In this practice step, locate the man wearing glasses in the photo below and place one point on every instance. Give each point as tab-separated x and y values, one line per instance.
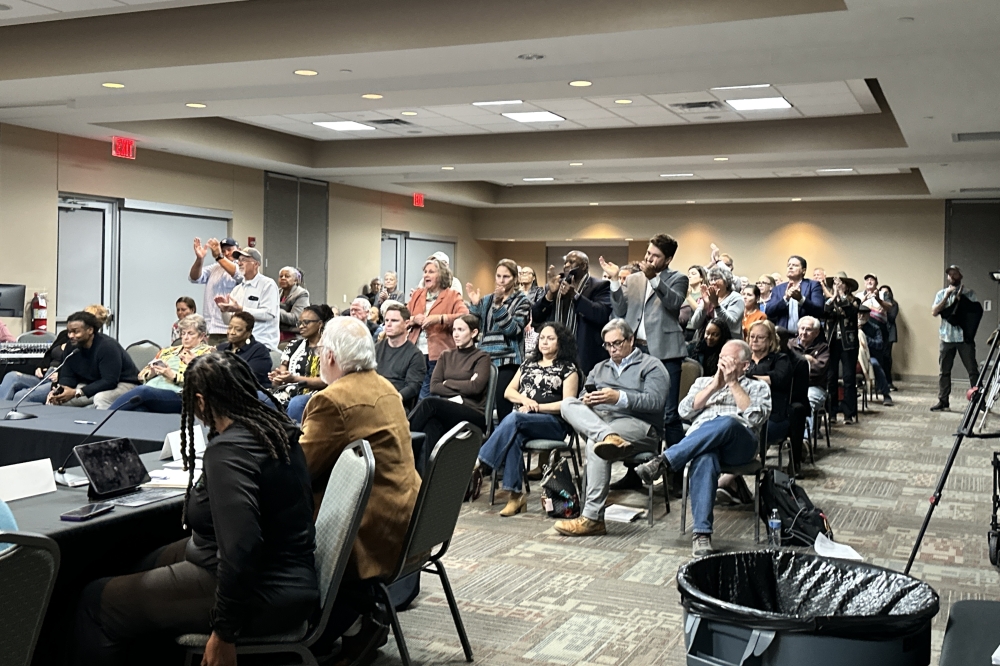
257	295
620	414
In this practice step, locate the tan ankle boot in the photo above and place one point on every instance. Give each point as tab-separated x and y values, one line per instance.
517	503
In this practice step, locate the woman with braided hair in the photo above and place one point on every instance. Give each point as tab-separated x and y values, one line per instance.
248	567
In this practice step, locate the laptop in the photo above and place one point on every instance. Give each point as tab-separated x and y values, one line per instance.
115	473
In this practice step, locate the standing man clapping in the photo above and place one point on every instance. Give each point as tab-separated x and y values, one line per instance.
219	279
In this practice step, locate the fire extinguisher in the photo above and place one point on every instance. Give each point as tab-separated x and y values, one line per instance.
39	312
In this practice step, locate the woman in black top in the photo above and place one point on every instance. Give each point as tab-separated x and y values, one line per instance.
240	341
774	368
248	568
707	350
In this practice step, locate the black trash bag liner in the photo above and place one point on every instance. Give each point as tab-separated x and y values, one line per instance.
797	592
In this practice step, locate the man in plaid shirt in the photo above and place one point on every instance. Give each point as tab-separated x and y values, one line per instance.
727	411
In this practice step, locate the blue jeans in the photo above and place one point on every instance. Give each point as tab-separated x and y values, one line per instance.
881	383
504	447
158	401
722	441
297	406
17	381
425	388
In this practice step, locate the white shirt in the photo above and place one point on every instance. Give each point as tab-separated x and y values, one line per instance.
259	298
217	283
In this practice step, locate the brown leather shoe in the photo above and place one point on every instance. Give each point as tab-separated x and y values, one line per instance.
535	474
581	527
613	448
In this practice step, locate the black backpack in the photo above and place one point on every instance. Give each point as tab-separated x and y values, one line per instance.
801	521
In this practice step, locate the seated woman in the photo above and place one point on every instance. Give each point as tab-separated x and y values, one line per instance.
297	377
707	350
248	568
163	377
16	385
751	308
458	390
293	300
184	306
240	341
538	388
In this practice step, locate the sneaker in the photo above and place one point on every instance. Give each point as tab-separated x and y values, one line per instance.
630	481
701	545
725	497
651	471
581	526
613	448
940	407
887	401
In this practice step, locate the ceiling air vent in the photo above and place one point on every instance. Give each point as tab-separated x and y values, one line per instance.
390	121
980	190
697	107
962	137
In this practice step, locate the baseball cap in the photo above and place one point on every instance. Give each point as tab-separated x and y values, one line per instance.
228	241
251	252
870	275
442	257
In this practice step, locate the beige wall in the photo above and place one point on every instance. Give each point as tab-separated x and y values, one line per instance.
36	166
900	241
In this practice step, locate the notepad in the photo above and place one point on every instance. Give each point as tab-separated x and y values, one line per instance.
617	513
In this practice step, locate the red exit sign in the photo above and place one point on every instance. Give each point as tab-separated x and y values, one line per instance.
418	199
122	147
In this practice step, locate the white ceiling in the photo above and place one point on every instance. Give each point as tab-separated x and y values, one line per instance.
33	11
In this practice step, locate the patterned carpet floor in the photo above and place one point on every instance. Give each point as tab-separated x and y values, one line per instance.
530	596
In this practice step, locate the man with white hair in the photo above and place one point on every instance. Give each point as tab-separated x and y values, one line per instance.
817	354
456	284
359	404
360	307
257	295
727	411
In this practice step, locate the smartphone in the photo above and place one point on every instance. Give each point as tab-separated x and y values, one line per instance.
590	388
87	512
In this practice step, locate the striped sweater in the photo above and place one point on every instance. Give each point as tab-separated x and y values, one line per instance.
502	329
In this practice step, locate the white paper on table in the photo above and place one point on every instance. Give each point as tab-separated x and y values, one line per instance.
179	464
26	479
995	660
172	444
825	547
617	513
170	478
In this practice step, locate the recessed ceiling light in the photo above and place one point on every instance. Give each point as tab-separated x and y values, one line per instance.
834	170
628	239
752	85
569	239
676	175
759	104
537	180
371	96
797	199
499	102
689	202
581	83
409	113
346	71
447	168
534	117
576	163
195	105
721	159
510	240
113	85
594	203
345	126
623	101
530	56
305	72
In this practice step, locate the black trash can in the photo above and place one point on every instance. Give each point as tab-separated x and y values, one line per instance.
785	608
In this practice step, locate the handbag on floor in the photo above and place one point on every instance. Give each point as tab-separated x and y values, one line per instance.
801	520
560	498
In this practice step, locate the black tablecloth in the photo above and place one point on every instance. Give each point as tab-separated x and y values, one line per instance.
103	546
54	434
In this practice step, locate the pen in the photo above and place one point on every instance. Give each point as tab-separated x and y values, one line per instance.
86	422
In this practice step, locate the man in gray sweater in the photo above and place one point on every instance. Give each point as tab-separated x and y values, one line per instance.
620	414
398	359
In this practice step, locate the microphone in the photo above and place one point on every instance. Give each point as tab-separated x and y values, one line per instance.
13	414
134	400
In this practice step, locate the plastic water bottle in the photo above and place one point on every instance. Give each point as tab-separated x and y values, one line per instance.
774	529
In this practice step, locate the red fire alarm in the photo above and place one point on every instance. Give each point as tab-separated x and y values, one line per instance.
123	147
418	199
251	241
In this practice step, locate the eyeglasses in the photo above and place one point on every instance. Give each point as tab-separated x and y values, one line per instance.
616	344
306	322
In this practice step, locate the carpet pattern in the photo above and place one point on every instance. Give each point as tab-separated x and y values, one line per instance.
530	596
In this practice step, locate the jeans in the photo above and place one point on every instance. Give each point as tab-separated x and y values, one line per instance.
881	383
504	447
817	397
158	401
723	440
946	359
425	388
297	406
434	417
14	382
847	361
594	428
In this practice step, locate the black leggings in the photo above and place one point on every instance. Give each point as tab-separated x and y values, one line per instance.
434	417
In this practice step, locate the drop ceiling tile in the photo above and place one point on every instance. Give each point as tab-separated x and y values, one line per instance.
360	115
564	105
683	98
800	90
745	93
771	114
719	175
432	121
465	112
408	131
594	123
309	117
713	117
873	171
593	113
509	129
831	110
20	9
398	113
460	129
77	5
650	115
609	102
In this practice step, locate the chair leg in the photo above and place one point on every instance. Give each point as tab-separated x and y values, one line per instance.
666	493
684	498
397	630
493	485
649	504
576	471
453	605
756	508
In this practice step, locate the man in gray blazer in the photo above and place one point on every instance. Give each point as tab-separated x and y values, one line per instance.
651	303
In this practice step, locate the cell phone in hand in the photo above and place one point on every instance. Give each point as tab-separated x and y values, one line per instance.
87	511
590	388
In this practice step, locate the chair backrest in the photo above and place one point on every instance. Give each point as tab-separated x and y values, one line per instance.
27	575
491	398
442	491
339	519
37	336
275	359
142	352
690	371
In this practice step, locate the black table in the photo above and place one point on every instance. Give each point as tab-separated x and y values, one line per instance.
54	434
103	546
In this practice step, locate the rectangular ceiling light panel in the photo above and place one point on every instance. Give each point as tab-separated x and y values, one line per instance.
534	117
345	126
502	102
759	104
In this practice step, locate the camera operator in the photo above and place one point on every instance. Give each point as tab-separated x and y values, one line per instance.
579	302
951	304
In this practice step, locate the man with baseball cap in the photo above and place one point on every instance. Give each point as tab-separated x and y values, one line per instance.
257	295
953	339
219	279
